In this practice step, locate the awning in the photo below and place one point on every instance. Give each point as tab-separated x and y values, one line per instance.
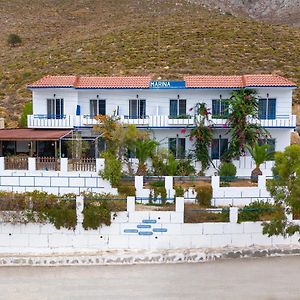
25	134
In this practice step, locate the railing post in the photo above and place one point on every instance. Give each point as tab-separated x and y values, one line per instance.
100	164
215	182
2	164
233	214
130	204
64	164
261	182
31	164
138	182
79	213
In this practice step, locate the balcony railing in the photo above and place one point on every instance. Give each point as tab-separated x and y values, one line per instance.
71	121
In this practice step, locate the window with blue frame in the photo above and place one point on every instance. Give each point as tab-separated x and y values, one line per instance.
219	108
177	107
55	108
267	109
137	108
218	147
97	107
177	147
270	142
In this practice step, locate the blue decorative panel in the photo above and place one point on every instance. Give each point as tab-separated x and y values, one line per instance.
143	226
149	221
160	229
130	231
145	233
167	84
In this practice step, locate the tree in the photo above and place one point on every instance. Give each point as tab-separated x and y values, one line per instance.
242	105
259	154
285	189
144	149
14	40
27	110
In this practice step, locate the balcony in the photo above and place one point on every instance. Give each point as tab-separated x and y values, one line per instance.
71	121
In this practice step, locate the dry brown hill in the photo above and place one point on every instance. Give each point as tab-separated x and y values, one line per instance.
159	37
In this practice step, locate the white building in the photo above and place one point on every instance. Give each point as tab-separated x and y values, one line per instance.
164	107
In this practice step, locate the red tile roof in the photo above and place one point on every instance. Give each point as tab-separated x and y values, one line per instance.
92	82
85	82
262	80
26	134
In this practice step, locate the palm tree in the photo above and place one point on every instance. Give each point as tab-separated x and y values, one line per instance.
259	154
144	149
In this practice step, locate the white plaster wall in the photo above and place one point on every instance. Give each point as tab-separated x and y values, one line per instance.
157	101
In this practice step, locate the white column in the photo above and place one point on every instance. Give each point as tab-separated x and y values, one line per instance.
100	164
179	204
261	182
64	164
79	214
233	214
130	204
31	164
2	167
138	182
215	182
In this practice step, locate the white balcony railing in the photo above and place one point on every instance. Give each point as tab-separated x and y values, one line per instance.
70	121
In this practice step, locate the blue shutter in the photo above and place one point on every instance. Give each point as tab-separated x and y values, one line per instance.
272	109
262	109
173	108
215	149
223	145
215	108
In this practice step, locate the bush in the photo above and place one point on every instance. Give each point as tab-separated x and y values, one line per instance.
227	171
204	195
126	190
13	40
259	211
95	214
179	191
184	168
27	110
112	170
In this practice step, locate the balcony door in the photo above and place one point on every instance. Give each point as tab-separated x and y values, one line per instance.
97	107
55	108
267	109
218	147
177	107
137	109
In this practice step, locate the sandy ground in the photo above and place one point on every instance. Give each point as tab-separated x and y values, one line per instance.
263	278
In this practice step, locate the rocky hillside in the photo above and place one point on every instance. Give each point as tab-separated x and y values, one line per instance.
273	11
165	38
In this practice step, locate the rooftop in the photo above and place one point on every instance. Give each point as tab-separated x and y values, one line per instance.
143	82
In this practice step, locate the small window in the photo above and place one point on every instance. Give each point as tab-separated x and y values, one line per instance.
137	109
55	108
177	147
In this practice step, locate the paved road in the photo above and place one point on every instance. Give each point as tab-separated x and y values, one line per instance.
266	278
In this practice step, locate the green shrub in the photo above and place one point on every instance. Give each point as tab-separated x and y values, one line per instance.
96	214
204	195
13	40
259	211
112	170
184	168
126	190
179	191
27	110
158	183
227	171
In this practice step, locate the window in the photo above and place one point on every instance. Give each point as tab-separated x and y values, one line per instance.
177	147
218	147
55	108
267	109
219	108
177	107
270	142
97	107
137	109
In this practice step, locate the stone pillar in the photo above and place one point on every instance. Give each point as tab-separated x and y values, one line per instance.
79	214
179	204
233	214
100	164
31	164
130	204
2	166
64	164
215	182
